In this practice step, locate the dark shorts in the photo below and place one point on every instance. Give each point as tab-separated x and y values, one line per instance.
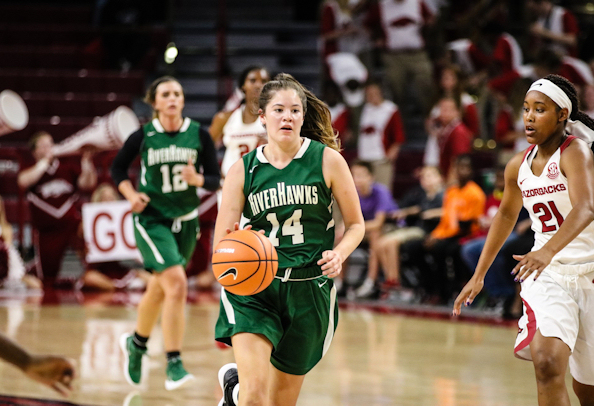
164	243
299	318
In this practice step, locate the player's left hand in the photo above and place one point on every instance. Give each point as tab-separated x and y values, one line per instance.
190	176
331	263
55	372
535	261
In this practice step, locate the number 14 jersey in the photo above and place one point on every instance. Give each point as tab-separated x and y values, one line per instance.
292	205
546	197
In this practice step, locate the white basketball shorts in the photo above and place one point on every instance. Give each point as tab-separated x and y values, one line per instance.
560	303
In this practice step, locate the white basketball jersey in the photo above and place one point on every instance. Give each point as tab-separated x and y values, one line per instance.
374	120
240	138
402	22
547	200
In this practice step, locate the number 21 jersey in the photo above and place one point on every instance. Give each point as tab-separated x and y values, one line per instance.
546	197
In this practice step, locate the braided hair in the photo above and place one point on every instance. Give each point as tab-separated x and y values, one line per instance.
571	92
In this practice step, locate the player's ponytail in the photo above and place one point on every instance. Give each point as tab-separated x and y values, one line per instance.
317	124
576	115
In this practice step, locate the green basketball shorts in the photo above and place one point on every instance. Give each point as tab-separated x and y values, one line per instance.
297	314
166	242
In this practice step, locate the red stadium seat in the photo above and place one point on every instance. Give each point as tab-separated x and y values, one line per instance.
9	168
131	83
10	79
11	205
103	104
57	58
60	128
83	81
408	161
37	104
16	57
69	105
42	81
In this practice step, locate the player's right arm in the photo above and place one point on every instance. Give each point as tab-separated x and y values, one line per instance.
119	171
232	202
55	372
218	122
502	226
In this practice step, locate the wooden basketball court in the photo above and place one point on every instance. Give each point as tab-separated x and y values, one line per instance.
375	359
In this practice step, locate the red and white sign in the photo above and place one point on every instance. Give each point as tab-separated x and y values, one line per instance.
108	232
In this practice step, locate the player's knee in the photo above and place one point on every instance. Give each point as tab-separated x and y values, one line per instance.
547	367
176	286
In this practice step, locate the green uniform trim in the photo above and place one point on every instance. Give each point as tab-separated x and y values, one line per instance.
162	158
298	312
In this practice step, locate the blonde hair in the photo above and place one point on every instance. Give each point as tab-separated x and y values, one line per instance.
3	221
32	143
317	124
96	196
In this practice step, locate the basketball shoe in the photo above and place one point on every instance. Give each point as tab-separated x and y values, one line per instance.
229	381
133	359
176	374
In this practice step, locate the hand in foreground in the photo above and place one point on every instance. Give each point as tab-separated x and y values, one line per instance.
535	261
467	295
52	371
139	202
331	263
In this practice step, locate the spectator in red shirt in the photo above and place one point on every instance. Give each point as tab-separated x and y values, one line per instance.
450	85
380	134
555	29
53	186
453	137
340	29
396	25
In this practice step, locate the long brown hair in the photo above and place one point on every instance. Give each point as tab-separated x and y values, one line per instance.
4	225
317	124
151	92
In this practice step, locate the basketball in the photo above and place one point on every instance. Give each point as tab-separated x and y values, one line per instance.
245	262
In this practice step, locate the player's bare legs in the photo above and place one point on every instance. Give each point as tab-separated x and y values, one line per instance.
174	283
149	308
252	355
585	393
284	388
550	356
389	256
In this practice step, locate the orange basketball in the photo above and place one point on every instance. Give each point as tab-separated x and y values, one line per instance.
245	262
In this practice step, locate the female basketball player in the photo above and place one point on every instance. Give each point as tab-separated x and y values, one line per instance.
172	148
285	189
554	179
240	129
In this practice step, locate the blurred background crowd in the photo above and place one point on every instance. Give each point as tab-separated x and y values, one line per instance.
425	95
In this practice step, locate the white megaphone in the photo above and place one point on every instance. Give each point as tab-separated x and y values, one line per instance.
105	133
14	115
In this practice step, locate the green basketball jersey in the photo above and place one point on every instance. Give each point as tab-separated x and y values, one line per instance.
293	205
162	158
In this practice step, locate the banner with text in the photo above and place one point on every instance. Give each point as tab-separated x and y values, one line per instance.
108	232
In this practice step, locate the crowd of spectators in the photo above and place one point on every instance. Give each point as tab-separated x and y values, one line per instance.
444	78
450	78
